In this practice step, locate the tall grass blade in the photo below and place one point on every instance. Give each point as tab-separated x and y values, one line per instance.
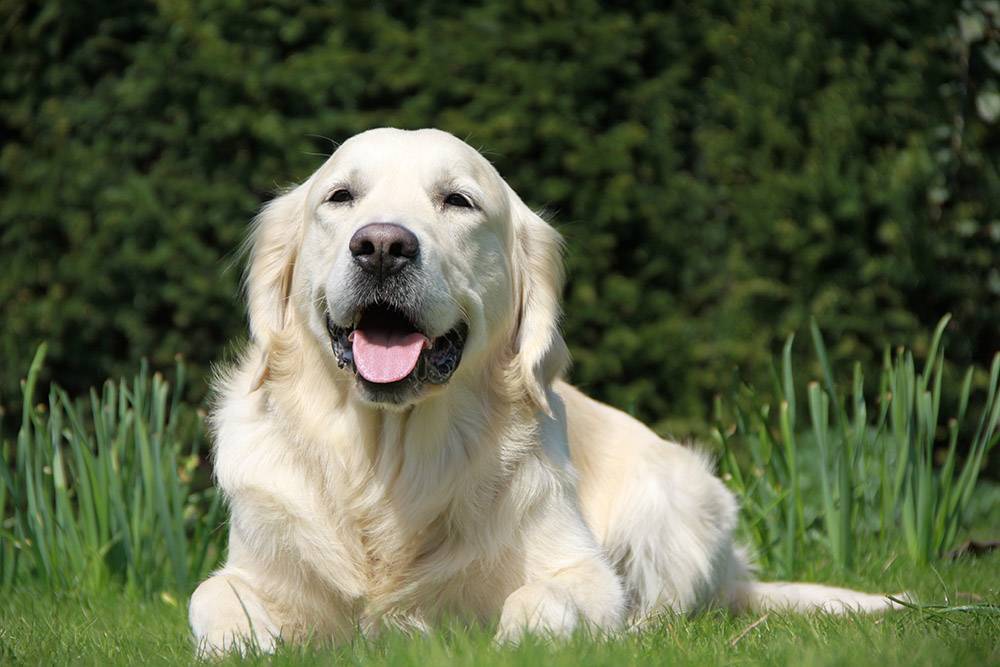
92	490
877	470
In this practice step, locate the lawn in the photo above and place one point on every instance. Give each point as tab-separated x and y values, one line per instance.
109	520
959	624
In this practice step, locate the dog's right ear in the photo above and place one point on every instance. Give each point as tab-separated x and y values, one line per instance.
274	241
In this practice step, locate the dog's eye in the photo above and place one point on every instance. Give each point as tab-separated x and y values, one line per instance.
340	196
455	199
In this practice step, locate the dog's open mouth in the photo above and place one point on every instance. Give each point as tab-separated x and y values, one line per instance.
385	347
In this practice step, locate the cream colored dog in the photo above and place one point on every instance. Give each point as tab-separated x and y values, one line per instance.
397	444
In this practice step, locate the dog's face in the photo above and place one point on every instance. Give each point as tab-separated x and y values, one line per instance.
407	257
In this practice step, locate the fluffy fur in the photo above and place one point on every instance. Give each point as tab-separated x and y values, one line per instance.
504	496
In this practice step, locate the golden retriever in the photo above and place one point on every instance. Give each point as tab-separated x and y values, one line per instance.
396	444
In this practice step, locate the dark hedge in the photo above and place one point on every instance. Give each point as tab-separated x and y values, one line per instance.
722	170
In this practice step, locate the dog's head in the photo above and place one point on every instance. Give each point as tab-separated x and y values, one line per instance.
409	260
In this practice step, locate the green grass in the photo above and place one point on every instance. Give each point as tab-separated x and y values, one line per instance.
106	488
109	520
39	626
874	464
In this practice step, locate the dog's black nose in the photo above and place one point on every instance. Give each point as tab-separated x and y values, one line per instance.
384	248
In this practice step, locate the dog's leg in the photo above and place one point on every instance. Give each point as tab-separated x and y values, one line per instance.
227	615
588	593
569	583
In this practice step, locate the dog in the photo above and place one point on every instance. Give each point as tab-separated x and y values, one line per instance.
397	443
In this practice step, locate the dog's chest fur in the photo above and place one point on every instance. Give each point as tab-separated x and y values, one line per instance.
425	512
402	521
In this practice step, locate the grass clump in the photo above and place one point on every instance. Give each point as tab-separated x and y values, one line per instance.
105	489
872	464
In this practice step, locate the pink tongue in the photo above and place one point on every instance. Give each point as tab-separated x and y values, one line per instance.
386	357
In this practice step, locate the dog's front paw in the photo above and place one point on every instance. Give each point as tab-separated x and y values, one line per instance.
227	617
538	608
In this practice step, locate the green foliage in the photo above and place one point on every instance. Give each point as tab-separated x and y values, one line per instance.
879	481
115	489
721	170
85	502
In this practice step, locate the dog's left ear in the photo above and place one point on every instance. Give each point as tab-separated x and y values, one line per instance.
540	353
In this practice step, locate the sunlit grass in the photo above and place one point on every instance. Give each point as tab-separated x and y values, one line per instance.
875	478
959	625
104	490
109	522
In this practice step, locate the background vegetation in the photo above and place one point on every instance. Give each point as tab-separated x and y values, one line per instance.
722	170
105	532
